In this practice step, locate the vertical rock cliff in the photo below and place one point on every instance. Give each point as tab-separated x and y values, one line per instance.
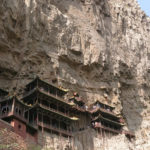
100	48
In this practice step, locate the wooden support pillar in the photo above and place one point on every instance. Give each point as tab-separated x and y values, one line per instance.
56	92
49	105
59	124
28	116
48	90
37	99
13	105
109	132
42	123
57	106
37	83
68	112
60	139
72	142
49	120
33	118
65	109
37	120
101	133
23	112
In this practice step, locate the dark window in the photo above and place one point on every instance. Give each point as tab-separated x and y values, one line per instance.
19	112
19	126
16	110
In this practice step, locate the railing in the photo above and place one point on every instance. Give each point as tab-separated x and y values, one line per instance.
48	126
45	92
107	128
8	114
53	96
55	111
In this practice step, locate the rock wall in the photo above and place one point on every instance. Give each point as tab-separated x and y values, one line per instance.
100	48
49	140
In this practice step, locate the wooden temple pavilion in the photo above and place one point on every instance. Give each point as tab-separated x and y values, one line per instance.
43	108
104	119
49	109
13	111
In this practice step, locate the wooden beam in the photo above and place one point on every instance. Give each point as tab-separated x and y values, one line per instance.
13	105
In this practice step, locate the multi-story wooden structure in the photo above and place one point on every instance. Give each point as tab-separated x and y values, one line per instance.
12	111
50	111
104	120
43	108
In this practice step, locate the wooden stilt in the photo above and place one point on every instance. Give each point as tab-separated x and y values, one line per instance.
37	84
33	118
37	118
42	123
73	141
101	137
109	133
60	141
104	139
101	133
57	106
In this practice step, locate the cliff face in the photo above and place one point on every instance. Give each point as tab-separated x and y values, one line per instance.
100	48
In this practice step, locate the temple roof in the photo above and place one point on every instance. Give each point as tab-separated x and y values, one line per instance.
16	99
60	89
44	94
103	104
107	120
97	110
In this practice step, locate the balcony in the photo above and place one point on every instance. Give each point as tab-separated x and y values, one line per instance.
41	90
56	111
10	114
100	117
107	128
53	96
48	126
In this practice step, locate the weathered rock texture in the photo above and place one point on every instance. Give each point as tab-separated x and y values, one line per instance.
10	140
100	48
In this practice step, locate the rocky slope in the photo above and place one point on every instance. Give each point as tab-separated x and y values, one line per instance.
100	48
10	140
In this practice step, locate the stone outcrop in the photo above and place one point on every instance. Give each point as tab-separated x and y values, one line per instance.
99	48
9	139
